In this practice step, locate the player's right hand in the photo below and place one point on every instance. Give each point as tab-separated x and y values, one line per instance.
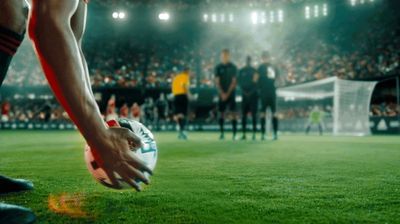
115	152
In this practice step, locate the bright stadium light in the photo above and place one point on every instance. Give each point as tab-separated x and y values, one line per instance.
254	18
280	16
353	2
205	17
325	10
118	15
316	11
214	18
164	16
272	16
263	17
115	15
362	1
307	12
231	17
121	15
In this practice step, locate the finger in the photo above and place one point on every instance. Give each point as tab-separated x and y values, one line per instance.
113	179
131	172
133	139
139	164
131	182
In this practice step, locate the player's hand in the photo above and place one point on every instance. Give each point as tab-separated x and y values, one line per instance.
224	96
114	150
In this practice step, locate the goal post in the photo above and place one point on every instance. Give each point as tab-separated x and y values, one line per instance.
345	103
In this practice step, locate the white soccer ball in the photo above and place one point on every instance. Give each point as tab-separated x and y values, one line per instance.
147	153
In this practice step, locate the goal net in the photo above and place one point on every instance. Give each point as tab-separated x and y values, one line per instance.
343	105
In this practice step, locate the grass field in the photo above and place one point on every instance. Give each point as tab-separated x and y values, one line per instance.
298	179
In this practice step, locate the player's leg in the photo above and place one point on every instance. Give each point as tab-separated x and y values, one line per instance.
253	110
182	115
308	128
245	111
221	118
234	115
12	29
263	115
320	128
275	121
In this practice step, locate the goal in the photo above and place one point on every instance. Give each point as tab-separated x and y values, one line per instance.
344	103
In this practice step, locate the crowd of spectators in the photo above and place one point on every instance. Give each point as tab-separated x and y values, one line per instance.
127	64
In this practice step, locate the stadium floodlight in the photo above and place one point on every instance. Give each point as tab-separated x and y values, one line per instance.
214	18
316	11
121	15
115	15
263	17
362	1
205	17
231	17
280	16
353	2
307	12
325	10
164	16
272	16
254	18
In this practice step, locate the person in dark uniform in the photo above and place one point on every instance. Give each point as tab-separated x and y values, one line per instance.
225	81
267	92
247	82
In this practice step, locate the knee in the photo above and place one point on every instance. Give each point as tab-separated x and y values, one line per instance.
14	15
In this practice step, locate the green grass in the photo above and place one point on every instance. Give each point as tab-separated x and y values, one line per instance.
298	179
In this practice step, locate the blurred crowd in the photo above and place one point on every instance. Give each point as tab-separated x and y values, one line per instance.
184	4
152	61
134	64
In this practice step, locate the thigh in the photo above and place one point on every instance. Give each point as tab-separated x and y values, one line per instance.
245	105
264	105
13	14
232	104
222	105
78	21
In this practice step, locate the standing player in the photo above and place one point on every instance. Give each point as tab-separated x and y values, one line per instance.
225	81
315	118
180	90
267	91
247	82
56	28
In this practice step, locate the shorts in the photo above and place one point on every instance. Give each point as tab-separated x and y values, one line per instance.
181	104
249	104
269	102
229	104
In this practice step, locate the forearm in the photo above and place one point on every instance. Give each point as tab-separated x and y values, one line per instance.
66	76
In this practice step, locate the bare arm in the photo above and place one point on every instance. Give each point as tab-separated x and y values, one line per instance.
62	63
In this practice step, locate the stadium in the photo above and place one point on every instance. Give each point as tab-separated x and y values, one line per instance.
255	111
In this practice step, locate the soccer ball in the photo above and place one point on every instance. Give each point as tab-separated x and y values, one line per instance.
148	152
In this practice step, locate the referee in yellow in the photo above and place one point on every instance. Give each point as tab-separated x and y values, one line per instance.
180	90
